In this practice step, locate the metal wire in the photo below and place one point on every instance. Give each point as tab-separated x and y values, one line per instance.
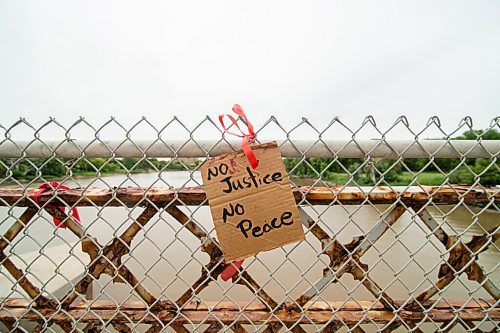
400	234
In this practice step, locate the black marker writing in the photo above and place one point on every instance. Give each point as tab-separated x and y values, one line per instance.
246	226
216	170
238	209
251	179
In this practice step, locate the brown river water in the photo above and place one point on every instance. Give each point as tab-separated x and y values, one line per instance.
167	258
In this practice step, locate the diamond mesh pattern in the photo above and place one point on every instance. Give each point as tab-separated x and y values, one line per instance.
401	235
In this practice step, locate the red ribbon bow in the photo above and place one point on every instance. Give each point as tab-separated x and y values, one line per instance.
247	138
45	187
233	267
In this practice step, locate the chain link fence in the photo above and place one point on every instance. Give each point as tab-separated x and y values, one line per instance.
402	228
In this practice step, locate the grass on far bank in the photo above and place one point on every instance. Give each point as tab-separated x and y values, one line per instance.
405	178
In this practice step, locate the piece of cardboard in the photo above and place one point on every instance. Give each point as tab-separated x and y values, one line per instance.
253	209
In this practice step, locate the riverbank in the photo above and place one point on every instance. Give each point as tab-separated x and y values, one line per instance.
81	177
424	178
405	178
63	168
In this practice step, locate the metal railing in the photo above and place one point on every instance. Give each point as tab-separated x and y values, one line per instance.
385	249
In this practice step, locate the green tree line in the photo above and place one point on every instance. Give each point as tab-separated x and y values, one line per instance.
410	170
339	171
27	169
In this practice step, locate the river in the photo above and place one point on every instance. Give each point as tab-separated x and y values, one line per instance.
166	257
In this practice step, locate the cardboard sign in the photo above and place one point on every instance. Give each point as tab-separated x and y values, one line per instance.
253	209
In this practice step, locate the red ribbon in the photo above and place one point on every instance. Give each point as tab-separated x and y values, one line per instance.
231	269
45	187
247	138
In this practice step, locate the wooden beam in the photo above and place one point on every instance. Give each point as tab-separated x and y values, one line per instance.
351	313
134	196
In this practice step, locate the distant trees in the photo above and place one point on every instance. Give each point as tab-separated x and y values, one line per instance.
343	170
59	167
481	168
491	134
478	168
390	171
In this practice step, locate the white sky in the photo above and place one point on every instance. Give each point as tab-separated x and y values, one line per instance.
289	59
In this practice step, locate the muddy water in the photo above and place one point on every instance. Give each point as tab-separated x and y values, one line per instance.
167	258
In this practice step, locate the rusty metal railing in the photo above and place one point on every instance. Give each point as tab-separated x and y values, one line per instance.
145	256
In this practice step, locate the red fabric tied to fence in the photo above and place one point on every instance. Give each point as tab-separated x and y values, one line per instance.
247	139
46	187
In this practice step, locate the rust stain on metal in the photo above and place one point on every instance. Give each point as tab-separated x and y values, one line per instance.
134	196
460	257
359	271
433	226
124	314
186	222
343	258
251	284
113	254
216	265
16	228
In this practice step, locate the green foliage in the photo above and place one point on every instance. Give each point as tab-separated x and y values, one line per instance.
55	168
339	171
315	167
488	172
491	134
415	170
428	178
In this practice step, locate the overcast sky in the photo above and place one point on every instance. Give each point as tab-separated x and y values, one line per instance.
316	59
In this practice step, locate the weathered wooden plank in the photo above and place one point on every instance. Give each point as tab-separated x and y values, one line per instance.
132	196
258	306
341	317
